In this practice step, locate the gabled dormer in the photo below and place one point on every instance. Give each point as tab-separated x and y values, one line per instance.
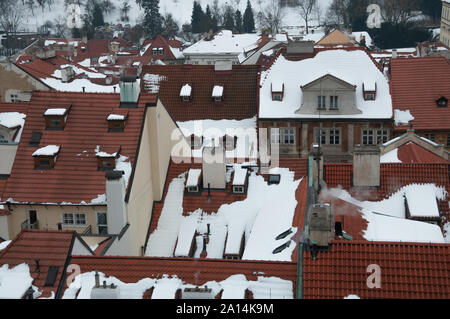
56	118
45	157
442	101
277	89
117	121
186	93
217	93
369	91
193	180
106	157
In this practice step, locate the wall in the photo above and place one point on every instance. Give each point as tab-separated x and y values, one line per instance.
50	216
120	247
14	78
445	23
204	59
7	155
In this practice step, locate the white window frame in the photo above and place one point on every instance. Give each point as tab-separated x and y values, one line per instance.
333	135
369	97
320	136
75	219
289	133
334	102
321	102
369	134
238	189
102	225
382	136
275	136
186	98
193	189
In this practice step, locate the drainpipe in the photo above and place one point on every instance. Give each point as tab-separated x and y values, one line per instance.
299	286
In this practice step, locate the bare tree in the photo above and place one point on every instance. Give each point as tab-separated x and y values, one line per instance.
318	13
11	16
60	26
272	16
398	11
305	8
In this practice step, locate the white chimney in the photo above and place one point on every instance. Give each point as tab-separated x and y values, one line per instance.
223	66
394	54
129	90
214	167
104	291
197	293
115	201
366	166
67	74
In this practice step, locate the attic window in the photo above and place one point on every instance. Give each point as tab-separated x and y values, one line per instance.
193	181
106	161
160	51
186	93
56	118
277	91
240	180
217	93
274	179
116	122
370	91
45	157
442	102
155	51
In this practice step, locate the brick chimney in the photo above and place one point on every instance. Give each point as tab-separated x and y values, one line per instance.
214	167
366	166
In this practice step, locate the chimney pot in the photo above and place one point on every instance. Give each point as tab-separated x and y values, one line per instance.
97	279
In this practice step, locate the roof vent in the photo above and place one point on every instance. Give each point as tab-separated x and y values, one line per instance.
198	293
35	138
281	248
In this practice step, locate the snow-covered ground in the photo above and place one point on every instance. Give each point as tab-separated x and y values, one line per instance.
181	10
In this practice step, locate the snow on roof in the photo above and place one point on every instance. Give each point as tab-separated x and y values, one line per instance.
13	119
343	64
240	175
55	111
193	177
370	86
78	71
177	53
151	82
387	218
4	244
14	282
49	150
390	157
115	117
186	90
99	153
166	288
422	201
352	297
277	86
402	117
268	52
244	130
222	43
281	37
253	217
357	37
77	86
217	91
186	234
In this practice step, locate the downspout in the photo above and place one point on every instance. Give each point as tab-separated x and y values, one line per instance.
299	289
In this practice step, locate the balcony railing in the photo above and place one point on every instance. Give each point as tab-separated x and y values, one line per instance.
27	225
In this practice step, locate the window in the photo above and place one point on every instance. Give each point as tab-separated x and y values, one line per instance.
75	219
321	136
430	136
382	136
367	137
102	223
238	189
161	51
369	97
44	164
335	137
217	98
155	51
185	98
277	97
334	103
442	102
275	136
321	100
289	136
274	179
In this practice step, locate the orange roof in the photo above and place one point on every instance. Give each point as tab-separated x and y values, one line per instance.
53	248
413	153
75	177
412	271
335	37
416	85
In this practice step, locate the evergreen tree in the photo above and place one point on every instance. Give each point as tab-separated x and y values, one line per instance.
170	27
238	21
97	16
208	19
152	23
198	18
228	19
248	21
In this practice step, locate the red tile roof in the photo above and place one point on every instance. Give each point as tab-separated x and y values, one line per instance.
413	153
191	271
75	177
416	85
193	203
53	248
240	91
413	271
161	42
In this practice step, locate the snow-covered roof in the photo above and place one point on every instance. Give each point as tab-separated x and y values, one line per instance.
277	86
49	150
193	177
422	201
11	120
217	91
343	64
240	175
56	111
222	43
99	153
185	236
402	117
115	117
77	86
186	90
14	281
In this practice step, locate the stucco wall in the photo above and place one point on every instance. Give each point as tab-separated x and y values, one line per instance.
7	155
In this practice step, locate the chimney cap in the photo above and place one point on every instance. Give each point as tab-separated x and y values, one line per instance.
113	175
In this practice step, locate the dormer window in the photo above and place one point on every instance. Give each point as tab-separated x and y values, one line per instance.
186	93
321	102
334	102
196	142
442	102
229	142
193	181
369	91
217	93
106	160
56	118
45	157
116	121
160	51
155	51
240	180
277	91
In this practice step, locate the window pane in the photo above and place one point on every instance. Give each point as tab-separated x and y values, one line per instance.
80	219
101	219
68	219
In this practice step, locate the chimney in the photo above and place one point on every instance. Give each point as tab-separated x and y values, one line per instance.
223	66
316	156
129	91
366	166
321	225
115	201
108	80
97	280
67	74
214	167
394	54
105	291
